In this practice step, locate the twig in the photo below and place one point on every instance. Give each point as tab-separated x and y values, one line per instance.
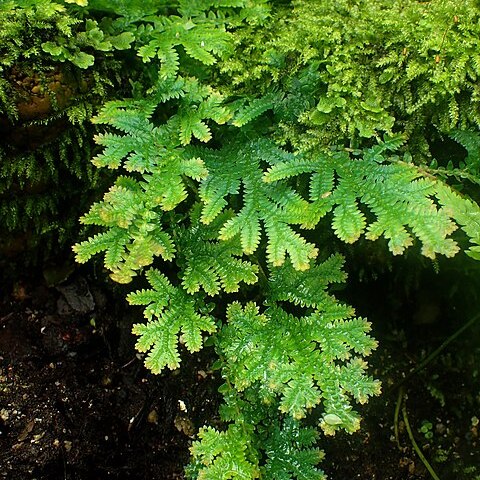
6	318
414	444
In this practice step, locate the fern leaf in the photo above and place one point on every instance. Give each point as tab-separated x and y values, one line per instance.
213	265
192	328
290	453
116	149
160	343
277	206
284	170
299	395
194	168
470	140
170	311
215	187
282	240
348	222
96	244
196	50
223	456
285	281
254	109
192	126
300	359
465	212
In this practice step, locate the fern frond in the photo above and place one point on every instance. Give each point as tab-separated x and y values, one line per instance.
306	288
290	452
296	358
465	212
277	207
224	455
255	108
170	312
211	265
470	140
348	221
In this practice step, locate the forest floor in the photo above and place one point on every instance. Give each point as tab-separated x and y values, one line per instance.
76	402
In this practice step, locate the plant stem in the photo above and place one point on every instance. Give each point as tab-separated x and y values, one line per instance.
397	414
414	444
436	352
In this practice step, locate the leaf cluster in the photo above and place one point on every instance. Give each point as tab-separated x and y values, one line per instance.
46	102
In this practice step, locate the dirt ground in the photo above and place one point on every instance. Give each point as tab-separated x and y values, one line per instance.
76	402
75	399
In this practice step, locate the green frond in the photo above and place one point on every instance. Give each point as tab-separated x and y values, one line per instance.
195	48
299	395
306	288
129	116
211	265
470	140
291	454
282	239
465	212
277	207
112	240
296	166
116	149
247	225
223	455
191	125
170	312
194	168
160	342
134	236
255	108
299	110
399	195
300	360
348	221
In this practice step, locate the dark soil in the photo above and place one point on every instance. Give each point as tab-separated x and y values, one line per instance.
76	402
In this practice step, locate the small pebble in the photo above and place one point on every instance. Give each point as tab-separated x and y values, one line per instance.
153	417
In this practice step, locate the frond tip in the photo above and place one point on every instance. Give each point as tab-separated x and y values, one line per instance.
170	312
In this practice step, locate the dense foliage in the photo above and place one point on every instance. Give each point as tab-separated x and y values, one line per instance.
55	69
252	128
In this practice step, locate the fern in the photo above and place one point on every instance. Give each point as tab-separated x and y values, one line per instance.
470	140
276	208
273	356
223	455
398	194
249	131
211	265
254	109
170	311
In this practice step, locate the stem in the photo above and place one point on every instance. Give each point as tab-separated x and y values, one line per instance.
397	414
262	276
437	351
415	446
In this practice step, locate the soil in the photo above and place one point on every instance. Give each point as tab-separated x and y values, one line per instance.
77	403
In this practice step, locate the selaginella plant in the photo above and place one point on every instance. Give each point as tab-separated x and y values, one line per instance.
255	128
